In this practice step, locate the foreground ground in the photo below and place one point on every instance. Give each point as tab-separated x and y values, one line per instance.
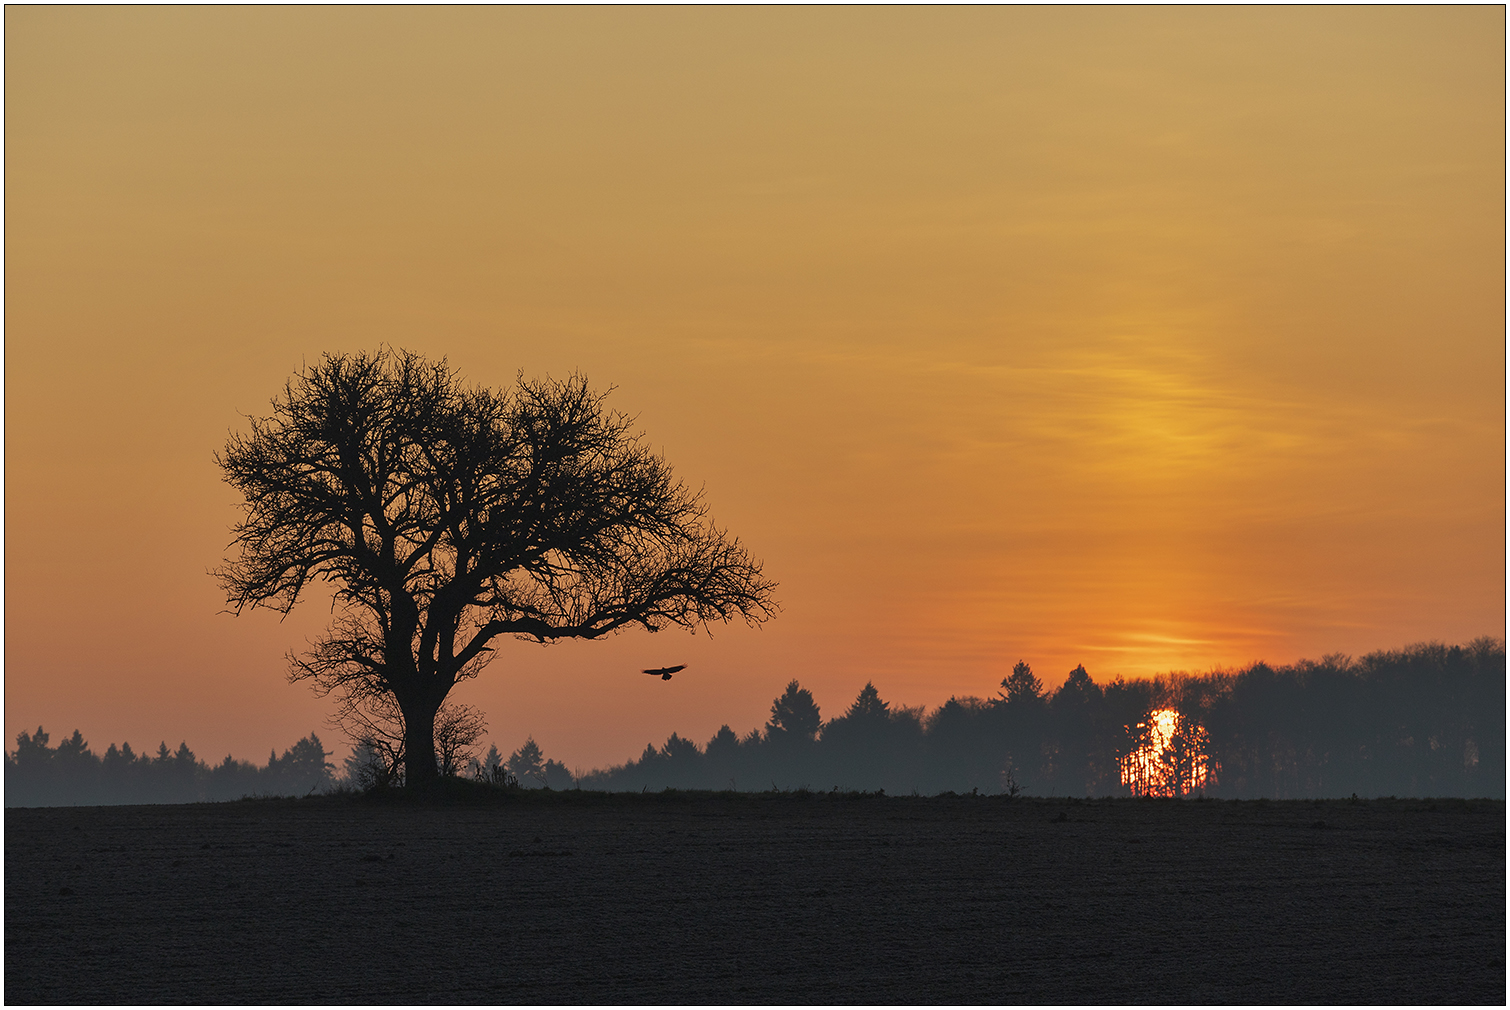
719	898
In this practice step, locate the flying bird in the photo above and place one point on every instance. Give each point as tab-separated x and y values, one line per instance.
665	672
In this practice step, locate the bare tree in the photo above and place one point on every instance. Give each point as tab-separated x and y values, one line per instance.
449	515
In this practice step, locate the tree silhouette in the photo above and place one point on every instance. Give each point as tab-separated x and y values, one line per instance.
1075	712
794	715
1019	717
1021	687
868	705
457	730
486	767
377	728
366	767
302	769
448	515
528	762
872	742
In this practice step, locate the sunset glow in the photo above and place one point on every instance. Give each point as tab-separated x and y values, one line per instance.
1172	758
1142	338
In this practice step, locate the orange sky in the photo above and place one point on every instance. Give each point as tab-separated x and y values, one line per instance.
1145	338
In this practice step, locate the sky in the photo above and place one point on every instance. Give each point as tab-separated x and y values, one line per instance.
1147	339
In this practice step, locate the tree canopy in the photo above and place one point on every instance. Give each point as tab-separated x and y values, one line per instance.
447	515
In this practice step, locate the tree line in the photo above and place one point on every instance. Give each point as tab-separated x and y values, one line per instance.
1426	720
72	774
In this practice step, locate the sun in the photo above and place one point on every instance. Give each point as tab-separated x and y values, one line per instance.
1171	756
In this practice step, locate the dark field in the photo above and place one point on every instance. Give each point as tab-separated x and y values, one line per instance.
779	898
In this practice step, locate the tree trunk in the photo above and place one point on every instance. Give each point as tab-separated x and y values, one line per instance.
419	745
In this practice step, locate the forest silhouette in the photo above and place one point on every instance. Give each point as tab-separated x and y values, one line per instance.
1426	720
71	773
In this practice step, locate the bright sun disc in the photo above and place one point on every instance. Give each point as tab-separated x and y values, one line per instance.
1172	756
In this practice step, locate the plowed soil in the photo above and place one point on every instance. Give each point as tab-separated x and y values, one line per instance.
588	898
